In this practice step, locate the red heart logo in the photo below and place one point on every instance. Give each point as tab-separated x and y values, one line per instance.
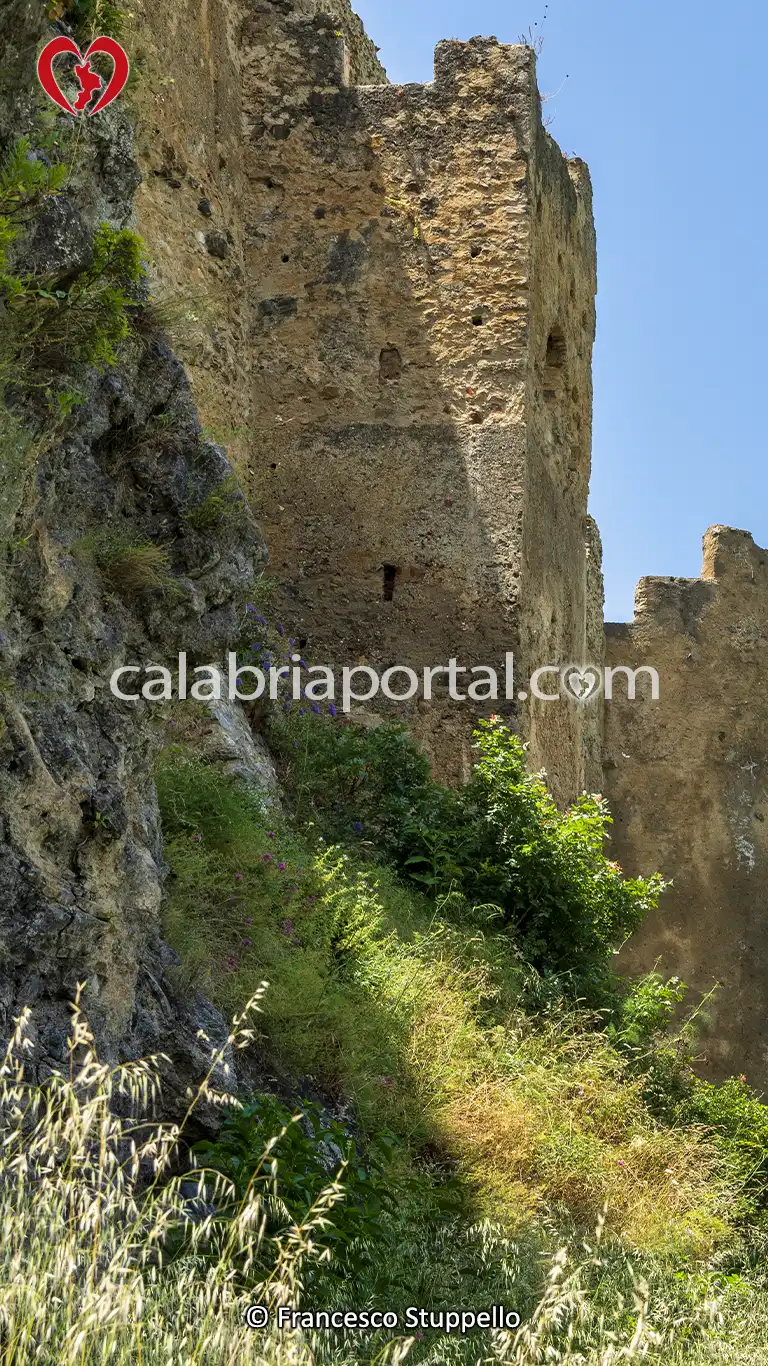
87	78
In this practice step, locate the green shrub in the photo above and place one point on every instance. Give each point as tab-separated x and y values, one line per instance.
501	841
90	18
737	1121
288	1158
363	784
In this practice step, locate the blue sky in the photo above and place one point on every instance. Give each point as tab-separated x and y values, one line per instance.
667	104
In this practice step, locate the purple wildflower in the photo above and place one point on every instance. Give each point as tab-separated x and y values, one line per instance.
238	877
287	927
315	709
332	709
357	826
266	858
271	834
280	628
282	866
196	839
247	942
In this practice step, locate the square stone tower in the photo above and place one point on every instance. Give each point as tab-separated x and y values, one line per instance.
421	273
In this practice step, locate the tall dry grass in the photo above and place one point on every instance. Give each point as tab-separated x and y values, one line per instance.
111	1251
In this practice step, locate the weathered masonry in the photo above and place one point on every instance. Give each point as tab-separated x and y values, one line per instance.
398	283
421	270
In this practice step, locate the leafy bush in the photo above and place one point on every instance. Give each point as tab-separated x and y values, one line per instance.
570	906
367	785
501	841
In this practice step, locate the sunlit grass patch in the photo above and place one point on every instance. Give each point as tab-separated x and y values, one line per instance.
420	1023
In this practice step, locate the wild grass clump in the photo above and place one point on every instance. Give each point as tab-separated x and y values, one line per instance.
128	565
117	1248
223	505
91	1205
56	325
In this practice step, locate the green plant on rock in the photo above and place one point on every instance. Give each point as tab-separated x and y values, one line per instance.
129	566
89	18
222	505
25	180
91	319
50	324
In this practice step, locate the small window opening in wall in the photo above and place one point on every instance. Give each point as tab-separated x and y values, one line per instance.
390	574
475	250
555	363
556	350
477	319
286	258
390	363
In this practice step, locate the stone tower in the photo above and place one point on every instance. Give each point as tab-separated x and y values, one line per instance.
422	280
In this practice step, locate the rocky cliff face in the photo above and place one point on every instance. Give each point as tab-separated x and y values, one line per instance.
103	562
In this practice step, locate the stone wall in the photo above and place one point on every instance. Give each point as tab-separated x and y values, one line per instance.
420	266
687	778
192	134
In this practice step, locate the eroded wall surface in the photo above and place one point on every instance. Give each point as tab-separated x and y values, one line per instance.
687	777
388	311
420	266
